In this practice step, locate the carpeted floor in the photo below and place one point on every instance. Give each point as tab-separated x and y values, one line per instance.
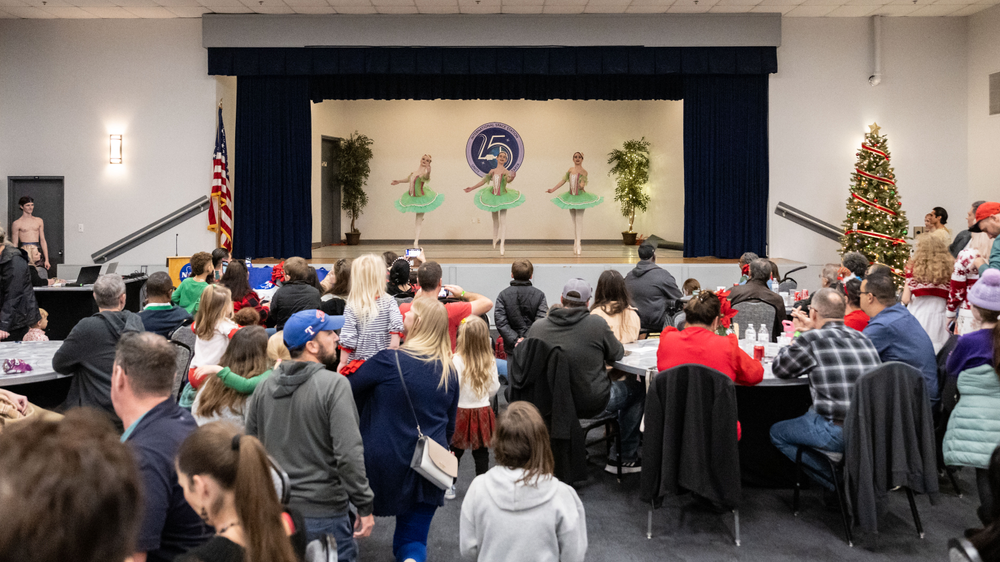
616	526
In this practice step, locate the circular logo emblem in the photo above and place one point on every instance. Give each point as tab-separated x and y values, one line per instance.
488	141
185	272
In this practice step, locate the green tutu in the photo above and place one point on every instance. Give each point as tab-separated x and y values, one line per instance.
581	200
509	199
421	203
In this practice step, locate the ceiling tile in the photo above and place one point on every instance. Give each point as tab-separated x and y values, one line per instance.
5	15
188	11
809	11
522	2
969	10
151	12
851	11
823	3
437	9
577	9
605	8
772	9
935	10
954	2
781	2
867	2
315	10
567	2
137	3
483	8
717	9
379	3
274	9
70	12
28	12
355	9
221	3
48	3
397	9
177	3
12	3
738	2
521	8
646	9
688	8
239	9
296	3
892	10
110	12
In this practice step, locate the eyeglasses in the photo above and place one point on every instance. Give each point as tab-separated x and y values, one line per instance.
864	293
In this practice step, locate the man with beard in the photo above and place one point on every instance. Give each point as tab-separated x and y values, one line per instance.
305	416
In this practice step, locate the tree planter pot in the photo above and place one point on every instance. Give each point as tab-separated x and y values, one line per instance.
352	238
628	238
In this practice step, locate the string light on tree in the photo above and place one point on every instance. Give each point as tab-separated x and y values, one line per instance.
875	224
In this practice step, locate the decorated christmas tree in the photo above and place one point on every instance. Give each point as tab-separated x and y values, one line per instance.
875	225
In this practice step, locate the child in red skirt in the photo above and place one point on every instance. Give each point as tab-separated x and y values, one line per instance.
478	383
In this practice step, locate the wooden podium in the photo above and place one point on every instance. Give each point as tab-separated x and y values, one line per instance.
174	266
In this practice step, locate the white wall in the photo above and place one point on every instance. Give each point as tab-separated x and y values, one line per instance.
552	131
984	129
65	85
821	105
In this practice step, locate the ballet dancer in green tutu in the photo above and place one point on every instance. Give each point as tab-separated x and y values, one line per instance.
496	198
577	199
419	198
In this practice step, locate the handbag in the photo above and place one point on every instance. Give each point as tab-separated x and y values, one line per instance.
430	460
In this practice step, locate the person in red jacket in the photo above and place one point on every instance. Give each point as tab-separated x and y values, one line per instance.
699	344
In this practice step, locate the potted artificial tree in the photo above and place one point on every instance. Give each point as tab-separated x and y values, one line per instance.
353	162
630	166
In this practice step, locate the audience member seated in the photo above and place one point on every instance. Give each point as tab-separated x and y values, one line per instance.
652	288
398	285
756	290
295	295
690	286
518	510
925	292
161	316
188	295
964	275
389	257
854	264
246	356
221	258
775	276
987	540
855	317
896	334
306	418
613	304
226	477
70	491
745	260
37	332
834	357
334	300
156	426
829	276
39	275
973	432
518	306
18	307
237	280
590	345
469	303
88	352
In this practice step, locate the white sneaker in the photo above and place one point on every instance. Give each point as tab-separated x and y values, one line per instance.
449	494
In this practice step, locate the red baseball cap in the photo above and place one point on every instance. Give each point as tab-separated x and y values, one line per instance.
985	211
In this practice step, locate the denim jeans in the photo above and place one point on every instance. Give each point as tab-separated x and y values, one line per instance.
628	398
340	527
410	538
814	431
502	369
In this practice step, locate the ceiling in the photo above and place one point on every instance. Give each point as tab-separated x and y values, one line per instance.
76	9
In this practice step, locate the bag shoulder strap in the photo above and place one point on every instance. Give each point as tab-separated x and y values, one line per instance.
406	392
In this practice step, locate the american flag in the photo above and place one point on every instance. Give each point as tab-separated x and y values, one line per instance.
220	189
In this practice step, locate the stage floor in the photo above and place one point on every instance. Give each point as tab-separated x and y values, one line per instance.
482	252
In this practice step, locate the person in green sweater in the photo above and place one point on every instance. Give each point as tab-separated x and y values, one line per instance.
188	295
276	353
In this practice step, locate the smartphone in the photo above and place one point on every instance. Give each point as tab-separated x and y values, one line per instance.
412	252
443	293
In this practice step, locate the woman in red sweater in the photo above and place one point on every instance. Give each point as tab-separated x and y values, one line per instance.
237	280
698	343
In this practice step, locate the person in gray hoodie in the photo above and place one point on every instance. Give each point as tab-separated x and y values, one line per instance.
653	290
88	352
517	510
306	418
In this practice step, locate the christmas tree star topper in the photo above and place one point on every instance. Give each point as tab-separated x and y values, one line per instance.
874	128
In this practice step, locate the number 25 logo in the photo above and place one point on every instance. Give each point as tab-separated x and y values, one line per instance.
488	145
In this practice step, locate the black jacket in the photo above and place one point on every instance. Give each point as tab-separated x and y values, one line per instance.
756	290
653	290
889	436
88	353
516	309
690	441
164	321
18	307
539	373
960	242
292	297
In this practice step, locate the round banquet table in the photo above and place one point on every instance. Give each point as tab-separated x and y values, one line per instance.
760	407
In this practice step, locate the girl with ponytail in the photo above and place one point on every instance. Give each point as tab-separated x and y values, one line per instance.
226	477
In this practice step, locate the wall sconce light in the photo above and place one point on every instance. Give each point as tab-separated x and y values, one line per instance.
116	149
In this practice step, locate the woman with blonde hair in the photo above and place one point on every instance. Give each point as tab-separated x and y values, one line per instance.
372	321
925	293
245	358
214	326
226	478
388	427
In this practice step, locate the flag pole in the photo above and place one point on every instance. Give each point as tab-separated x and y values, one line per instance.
218	206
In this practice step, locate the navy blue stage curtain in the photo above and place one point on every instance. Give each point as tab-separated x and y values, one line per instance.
725	165
273	185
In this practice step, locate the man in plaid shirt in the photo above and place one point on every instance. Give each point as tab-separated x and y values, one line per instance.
834	357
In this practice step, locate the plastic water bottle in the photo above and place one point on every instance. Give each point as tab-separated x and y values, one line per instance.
750	335
762	335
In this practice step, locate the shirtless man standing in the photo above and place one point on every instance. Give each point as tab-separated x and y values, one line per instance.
30	230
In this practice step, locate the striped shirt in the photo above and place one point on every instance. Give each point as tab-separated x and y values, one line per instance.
364	341
834	357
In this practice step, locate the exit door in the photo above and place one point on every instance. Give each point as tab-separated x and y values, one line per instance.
47	191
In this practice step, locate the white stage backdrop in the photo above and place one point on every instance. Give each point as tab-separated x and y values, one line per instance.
551	131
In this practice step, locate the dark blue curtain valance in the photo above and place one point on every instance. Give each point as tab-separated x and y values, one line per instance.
528	61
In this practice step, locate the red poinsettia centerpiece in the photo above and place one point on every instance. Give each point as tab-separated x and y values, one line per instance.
726	311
